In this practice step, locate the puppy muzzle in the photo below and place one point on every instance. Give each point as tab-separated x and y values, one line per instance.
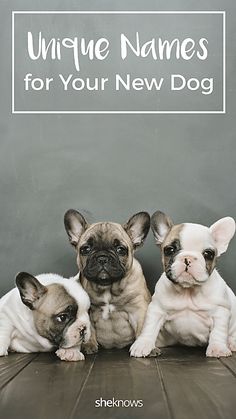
76	334
189	269
103	268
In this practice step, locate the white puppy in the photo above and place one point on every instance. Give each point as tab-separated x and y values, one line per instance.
45	313
192	305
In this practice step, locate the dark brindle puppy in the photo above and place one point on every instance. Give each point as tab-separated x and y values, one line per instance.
112	277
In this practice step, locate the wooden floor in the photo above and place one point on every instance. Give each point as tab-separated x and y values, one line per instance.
180	384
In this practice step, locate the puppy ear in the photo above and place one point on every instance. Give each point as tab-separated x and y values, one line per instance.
222	232
31	290
137	228
161	224
75	225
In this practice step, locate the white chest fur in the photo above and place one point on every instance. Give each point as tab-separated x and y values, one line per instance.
189	327
107	308
189	312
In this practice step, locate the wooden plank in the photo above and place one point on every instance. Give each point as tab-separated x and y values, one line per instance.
183	353
230	363
46	388
180	384
116	376
11	365
202	387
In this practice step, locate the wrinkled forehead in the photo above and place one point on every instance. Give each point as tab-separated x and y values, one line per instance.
195	237
106	234
56	299
191	237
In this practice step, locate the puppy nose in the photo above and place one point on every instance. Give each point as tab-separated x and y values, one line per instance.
188	259
187	262
82	331
102	259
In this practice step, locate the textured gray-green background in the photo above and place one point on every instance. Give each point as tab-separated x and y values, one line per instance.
109	166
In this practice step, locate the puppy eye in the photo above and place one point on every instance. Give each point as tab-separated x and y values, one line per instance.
169	250
85	250
121	250
61	318
209	254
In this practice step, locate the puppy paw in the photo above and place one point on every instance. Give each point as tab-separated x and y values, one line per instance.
232	344
142	347
90	348
70	354
218	350
3	351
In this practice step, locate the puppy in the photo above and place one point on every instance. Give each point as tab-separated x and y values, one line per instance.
112	277
45	313
192	305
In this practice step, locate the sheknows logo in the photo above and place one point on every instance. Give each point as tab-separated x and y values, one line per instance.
118	403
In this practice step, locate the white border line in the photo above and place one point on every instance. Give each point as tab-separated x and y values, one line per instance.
223	13
224	62
13	64
116	12
119	112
